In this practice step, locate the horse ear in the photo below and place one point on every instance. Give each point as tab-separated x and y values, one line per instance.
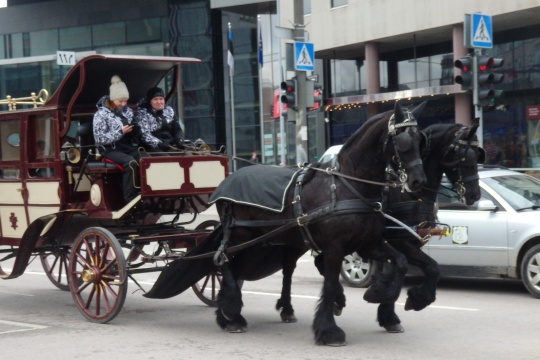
398	113
475	125
418	110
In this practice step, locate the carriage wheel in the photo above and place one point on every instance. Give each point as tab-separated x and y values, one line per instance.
97	275
55	265
4	250
207	288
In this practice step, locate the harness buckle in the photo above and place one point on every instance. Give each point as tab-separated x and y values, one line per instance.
302	220
296	199
377	206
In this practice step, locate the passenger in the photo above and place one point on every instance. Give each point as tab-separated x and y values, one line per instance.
161	130
118	136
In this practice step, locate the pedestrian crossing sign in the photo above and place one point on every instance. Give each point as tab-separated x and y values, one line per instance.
481	31
304	56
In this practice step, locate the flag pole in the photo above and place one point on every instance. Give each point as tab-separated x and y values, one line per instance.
230	61
261	100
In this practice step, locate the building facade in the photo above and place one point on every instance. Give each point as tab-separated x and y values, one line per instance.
368	54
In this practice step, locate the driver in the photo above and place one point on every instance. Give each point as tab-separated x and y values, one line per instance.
160	128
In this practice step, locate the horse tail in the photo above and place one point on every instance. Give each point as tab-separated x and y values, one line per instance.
181	274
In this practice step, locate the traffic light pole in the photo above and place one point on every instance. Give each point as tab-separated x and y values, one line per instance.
478	113
301	120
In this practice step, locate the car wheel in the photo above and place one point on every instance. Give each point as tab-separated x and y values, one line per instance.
356	271
530	271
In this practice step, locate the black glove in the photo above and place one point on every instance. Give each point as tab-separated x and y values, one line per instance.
163	147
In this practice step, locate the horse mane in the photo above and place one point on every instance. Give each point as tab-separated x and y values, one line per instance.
365	131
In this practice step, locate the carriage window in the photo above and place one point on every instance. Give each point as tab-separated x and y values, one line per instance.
9	149
43	146
40	145
9	140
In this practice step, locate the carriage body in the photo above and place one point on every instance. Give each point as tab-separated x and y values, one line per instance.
56	190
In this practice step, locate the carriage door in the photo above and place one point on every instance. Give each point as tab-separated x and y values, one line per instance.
42	182
12	211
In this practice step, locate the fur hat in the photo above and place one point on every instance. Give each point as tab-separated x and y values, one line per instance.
154	92
118	89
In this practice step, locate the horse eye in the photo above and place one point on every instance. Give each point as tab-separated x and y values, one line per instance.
403	142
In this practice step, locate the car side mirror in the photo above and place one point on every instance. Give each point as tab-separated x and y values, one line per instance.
487	205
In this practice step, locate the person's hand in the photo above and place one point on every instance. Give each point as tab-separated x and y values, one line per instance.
127	129
163	147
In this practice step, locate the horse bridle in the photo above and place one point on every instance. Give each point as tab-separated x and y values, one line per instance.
461	147
399	146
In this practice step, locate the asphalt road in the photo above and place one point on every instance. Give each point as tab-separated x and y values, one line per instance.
471	319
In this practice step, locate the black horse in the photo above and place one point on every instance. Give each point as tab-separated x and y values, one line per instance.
451	149
335	212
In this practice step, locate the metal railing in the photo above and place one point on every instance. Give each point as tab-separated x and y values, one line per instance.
33	99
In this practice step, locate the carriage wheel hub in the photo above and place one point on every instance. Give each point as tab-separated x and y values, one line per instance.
89	275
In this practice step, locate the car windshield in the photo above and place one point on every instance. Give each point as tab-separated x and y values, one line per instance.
520	191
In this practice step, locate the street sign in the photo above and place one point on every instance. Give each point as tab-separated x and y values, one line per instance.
304	56
65	58
481	31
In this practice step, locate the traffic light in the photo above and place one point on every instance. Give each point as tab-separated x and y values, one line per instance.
465	64
289	98
487	79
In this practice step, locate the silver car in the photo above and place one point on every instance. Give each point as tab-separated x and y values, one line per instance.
498	236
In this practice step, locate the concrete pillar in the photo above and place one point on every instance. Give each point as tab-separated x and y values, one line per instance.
373	83
463	102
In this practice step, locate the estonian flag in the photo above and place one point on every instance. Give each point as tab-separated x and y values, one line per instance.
230	52
260	49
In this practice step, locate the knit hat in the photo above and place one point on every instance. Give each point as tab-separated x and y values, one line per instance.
118	89
154	92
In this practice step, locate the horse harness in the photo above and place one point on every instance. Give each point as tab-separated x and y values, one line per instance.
333	208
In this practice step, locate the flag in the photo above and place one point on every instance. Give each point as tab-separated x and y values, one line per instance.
260	49
230	52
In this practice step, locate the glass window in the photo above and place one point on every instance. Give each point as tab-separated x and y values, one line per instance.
40	145
144	30
2	47
43	42
17	46
336	3
109	34
9	140
73	38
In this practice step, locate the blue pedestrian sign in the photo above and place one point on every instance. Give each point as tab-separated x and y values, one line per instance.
481	31
304	56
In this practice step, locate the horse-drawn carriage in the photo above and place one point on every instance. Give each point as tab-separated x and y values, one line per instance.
61	202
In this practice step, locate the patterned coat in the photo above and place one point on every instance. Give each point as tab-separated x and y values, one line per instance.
107	127
160	129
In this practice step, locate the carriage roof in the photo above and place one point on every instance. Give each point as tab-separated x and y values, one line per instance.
90	77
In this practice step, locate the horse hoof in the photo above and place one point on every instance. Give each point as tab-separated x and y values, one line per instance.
288	318
397	328
336	344
410	305
337	310
235	328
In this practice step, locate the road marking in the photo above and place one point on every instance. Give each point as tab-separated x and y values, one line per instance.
294	296
14	293
20	324
445	307
278	295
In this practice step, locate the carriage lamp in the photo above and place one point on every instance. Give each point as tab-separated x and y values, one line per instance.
70	153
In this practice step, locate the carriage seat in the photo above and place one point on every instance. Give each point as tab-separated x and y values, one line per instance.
86	140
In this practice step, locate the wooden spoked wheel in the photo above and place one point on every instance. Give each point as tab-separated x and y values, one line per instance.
208	287
55	264
97	275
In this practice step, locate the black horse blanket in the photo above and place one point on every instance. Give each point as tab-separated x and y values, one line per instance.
263	186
